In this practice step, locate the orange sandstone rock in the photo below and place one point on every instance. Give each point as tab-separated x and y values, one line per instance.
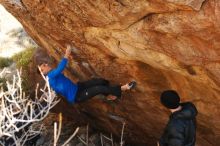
162	44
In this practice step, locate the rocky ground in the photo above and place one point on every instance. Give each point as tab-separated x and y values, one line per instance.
68	127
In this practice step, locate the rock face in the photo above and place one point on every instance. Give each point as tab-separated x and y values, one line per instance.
162	44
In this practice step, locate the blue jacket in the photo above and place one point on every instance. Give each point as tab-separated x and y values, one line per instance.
61	84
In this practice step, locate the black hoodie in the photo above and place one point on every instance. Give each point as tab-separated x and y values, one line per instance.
181	128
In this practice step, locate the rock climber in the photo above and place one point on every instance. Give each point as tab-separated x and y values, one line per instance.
80	91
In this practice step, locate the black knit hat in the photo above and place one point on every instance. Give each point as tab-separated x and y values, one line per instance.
170	99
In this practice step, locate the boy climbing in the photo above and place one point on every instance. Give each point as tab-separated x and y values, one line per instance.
81	91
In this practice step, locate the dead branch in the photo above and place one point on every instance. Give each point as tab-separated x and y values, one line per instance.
18	112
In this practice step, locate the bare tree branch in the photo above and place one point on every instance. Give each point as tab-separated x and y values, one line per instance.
18	112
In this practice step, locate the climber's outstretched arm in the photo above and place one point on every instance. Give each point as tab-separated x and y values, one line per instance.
62	64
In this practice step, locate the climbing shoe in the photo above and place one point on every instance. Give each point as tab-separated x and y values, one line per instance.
131	85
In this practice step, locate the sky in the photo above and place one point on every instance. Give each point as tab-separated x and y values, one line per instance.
7	21
9	44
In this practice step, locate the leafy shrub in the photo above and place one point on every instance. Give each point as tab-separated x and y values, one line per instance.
23	58
5	62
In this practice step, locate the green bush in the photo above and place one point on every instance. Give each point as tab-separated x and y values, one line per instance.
5	62
23	58
3	83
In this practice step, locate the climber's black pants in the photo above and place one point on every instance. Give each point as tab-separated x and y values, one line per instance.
93	87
